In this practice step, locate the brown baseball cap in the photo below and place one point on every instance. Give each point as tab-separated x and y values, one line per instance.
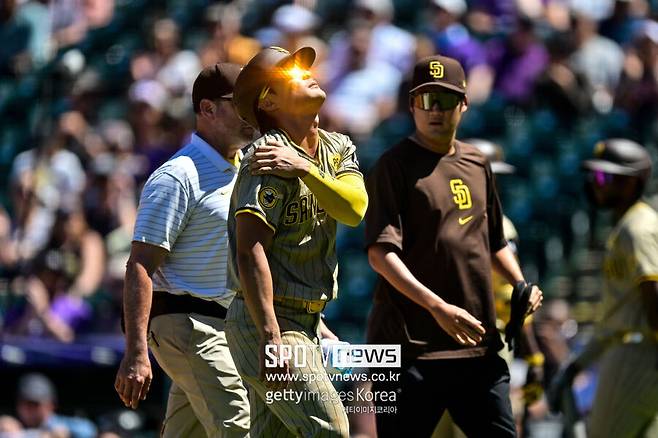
214	82
268	64
620	156
439	71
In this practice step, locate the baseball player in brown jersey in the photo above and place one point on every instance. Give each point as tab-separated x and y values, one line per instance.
433	232
283	264
626	401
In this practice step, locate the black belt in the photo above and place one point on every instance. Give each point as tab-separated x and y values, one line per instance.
165	303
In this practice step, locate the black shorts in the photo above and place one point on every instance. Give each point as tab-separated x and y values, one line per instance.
475	391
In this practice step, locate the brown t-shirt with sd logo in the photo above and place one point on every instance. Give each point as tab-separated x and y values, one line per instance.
442	215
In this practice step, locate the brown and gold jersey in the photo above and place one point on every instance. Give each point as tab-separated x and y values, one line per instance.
442	215
631	258
302	256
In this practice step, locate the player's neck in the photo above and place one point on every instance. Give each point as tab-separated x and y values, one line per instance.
302	130
438	145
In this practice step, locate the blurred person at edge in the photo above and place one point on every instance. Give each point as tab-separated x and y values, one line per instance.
59	278
637	93
36	405
625	339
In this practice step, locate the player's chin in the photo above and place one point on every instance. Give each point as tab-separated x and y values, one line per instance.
316	93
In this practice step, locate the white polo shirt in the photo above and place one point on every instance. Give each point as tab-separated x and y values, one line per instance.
184	209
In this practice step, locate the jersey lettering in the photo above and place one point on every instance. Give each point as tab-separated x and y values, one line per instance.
301	210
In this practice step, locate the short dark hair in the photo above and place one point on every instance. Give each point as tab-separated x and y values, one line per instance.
214	83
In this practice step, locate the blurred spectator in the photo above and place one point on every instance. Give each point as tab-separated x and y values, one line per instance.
15	33
66	271
389	43
561	90
36	14
68	22
518	61
451	38
620	25
42	179
637	93
295	26
36	404
72	19
599	59
176	68
366	94
10	427
148	100
227	44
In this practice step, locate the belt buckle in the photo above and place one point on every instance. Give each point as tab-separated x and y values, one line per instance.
314	306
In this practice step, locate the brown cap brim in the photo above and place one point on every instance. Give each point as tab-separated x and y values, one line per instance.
438	84
304	57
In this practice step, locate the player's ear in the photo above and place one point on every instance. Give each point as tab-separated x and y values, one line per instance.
267	104
207	108
411	104
464	104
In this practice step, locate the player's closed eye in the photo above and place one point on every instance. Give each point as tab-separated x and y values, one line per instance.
444	101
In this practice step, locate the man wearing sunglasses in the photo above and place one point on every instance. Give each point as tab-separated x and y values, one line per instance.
296	182
434	229
626	336
175	294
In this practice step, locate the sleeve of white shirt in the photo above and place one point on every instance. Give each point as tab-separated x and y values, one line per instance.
163	212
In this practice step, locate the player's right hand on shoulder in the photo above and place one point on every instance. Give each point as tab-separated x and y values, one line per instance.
274	366
459	324
133	378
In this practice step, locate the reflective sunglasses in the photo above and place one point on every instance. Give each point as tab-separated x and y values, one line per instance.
600	178
444	101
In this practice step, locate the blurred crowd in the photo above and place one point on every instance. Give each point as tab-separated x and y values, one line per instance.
96	94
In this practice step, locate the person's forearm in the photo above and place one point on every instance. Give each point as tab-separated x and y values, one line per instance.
256	281
506	264
344	198
392	268
93	265
137	296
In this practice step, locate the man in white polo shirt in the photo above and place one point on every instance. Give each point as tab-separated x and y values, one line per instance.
175	287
